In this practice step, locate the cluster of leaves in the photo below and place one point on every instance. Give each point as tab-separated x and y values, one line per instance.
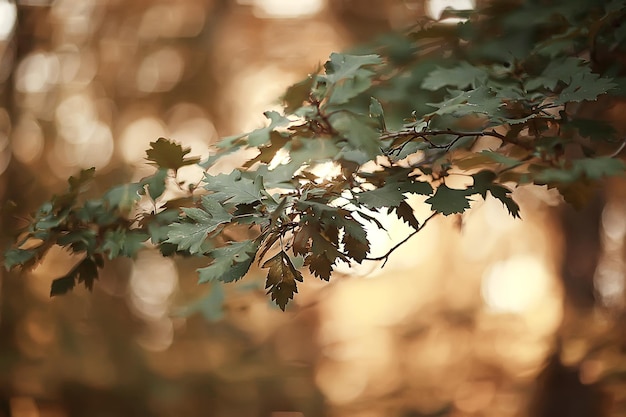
501	98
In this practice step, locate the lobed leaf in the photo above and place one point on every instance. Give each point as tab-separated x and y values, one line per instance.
169	155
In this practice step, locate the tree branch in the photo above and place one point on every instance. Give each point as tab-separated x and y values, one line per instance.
425	134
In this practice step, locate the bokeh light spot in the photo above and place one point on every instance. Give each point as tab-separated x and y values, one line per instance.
287	9
8	17
27	140
37	73
160	71
516	284
136	137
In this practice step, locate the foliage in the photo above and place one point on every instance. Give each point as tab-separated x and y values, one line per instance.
504	98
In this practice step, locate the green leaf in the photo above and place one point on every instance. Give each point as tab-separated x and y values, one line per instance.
589	168
460	77
158	225
210	305
123	196
297	94
503	194
596	168
230	263
483	181
281	279
349	75
448	200
123	242
169	155
593	129
191	233
349	89
77	183
80	240
155	183
47	219
584	87
392	193
386	196
15	256
377	113
94	211
478	101
261	136
358	133
234	189
344	66
558	71
506	161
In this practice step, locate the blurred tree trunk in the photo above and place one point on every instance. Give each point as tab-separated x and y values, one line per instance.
559	391
32	24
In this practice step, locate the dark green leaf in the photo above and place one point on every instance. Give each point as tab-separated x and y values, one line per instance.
230	263
86	271
15	256
77	183
448	200
392	193
261	136
62	285
123	242
234	189
478	101
349	75
460	77
356	130
483	181
596	168
584	87
593	129
344	66
155	183
169	155
377	113
560	70
386	196
298	93
122	196
506	161
503	194
79	240
191	233
589	168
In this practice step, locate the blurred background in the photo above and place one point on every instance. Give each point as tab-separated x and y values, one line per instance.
476	316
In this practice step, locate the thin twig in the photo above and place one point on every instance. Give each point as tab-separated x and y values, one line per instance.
385	257
410	135
618	150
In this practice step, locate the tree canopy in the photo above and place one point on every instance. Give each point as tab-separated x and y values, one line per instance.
515	93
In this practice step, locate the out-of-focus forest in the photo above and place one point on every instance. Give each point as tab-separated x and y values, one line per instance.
479	315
